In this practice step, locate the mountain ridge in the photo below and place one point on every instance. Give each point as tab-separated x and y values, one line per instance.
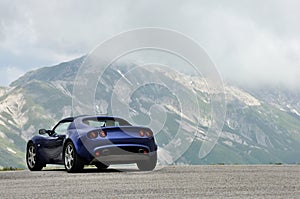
259	127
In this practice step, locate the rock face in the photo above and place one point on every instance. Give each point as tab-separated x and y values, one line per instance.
261	125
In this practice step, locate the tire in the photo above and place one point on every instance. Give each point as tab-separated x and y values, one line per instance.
72	161
32	159
148	165
101	166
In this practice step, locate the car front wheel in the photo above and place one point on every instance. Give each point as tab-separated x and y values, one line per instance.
32	158
72	161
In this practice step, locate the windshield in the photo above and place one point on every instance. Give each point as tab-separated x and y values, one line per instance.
103	122
61	128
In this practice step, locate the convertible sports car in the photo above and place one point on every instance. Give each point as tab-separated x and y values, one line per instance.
92	140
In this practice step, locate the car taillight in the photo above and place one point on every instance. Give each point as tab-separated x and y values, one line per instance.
149	133
102	134
97	153
92	134
141	133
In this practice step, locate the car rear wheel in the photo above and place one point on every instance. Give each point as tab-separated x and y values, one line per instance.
32	158
72	161
148	165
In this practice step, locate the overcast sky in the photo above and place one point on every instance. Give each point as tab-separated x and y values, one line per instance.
254	41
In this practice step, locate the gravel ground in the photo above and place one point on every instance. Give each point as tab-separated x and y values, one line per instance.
255	181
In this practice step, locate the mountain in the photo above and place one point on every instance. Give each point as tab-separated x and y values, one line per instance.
261	125
36	100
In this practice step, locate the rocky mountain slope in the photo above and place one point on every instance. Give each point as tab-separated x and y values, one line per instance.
260	126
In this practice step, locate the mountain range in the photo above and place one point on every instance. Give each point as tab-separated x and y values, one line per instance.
262	125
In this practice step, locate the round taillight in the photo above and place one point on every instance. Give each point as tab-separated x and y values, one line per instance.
102	134
141	133
92	134
97	153
149	133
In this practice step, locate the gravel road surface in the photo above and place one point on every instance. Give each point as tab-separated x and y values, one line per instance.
255	181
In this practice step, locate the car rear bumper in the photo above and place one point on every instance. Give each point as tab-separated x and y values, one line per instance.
120	159
122	153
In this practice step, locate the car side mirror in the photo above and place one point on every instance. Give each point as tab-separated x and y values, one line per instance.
42	131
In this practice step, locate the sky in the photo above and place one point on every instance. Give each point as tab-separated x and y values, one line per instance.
252	42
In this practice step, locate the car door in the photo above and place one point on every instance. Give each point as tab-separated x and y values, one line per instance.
54	145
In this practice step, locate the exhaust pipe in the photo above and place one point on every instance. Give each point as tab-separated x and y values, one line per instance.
141	151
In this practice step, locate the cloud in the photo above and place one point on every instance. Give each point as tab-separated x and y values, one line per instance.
251	42
9	74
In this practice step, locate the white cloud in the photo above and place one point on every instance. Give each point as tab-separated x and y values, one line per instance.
250	41
10	74
247	45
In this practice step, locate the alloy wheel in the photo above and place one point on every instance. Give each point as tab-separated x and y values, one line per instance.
31	159
69	156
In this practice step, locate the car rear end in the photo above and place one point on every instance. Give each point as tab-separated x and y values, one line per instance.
116	145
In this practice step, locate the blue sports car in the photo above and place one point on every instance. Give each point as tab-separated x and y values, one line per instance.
92	140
